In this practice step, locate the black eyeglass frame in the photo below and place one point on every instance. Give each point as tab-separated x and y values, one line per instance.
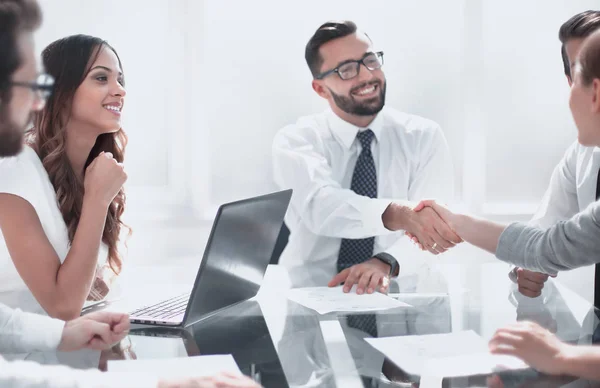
44	85
379	56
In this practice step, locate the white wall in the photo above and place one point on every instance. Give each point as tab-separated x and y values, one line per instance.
528	124
210	82
258	80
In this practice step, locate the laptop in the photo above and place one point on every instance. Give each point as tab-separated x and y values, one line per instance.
235	260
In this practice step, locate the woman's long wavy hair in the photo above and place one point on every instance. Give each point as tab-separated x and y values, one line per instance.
69	61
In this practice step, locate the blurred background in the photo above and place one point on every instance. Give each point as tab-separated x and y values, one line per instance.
210	82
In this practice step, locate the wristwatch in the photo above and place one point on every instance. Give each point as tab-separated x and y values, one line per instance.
390	260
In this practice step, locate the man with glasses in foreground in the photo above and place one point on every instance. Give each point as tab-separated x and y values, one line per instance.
355	169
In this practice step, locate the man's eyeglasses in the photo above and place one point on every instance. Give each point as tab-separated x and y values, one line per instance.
42	86
350	69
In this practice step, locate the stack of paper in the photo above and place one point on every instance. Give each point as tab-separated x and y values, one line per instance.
449	355
325	300
183	367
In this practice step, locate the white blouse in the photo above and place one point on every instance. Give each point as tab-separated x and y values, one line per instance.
25	176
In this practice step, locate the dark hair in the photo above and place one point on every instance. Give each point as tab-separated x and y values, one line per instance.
69	60
16	16
579	26
589	58
327	32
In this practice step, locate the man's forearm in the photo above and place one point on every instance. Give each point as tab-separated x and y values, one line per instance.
27	332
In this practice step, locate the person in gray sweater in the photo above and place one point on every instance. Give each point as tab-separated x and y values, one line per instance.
566	245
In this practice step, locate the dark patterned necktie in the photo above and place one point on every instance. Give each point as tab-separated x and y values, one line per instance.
356	251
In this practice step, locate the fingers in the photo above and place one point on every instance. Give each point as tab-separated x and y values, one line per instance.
446	216
375	283
518	331
423	204
97	344
449	238
352	279
363	282
431	247
521	327
123	325
504	350
93	163
530	283
536	277
101	332
447	234
506	337
420	206
529	293
339	278
433	228
424	238
358	275
385	284
367	277
527	328
439	243
443	243
119	322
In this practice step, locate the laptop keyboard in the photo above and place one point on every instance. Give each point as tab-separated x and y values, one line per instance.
166	309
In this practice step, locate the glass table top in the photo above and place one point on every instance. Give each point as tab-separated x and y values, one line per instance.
284	344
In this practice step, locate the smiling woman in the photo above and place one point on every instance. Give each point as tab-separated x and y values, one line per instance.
69	197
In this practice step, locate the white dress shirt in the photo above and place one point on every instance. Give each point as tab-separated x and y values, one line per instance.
29	374
316	157
572	188
22	332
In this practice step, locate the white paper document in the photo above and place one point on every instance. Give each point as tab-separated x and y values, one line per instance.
461	353
198	366
326	300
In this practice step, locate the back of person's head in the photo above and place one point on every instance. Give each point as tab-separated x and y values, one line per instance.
16	16
579	26
589	59
69	61
325	33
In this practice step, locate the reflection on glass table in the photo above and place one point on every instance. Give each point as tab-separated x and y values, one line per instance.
284	344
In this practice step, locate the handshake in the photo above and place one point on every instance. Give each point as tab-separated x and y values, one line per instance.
429	225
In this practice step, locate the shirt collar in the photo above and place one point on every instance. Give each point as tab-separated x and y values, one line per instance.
346	133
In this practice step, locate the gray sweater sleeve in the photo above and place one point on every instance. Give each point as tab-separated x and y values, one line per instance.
566	245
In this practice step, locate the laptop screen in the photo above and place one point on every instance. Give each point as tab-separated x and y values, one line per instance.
237	253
